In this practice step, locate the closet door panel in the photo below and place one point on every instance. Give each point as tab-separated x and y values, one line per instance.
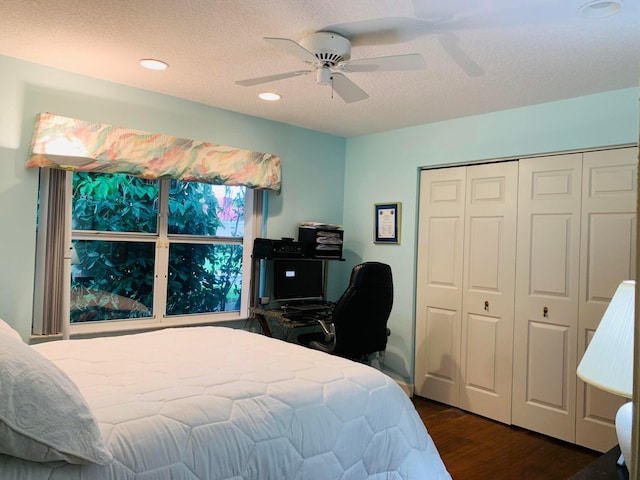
443	260
610	241
442	334
547	284
488	290
484	253
439	284
482	339
607	258
550	255
547	368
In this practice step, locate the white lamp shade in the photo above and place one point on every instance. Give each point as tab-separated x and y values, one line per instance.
608	362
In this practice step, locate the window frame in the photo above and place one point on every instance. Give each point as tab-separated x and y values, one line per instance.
253	224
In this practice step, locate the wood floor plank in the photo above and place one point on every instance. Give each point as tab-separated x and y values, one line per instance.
474	447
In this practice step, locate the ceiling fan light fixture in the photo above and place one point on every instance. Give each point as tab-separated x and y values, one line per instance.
270	96
153	64
600	8
323	76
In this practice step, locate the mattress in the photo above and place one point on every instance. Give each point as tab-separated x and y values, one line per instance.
220	403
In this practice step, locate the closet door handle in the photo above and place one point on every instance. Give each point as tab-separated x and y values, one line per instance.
486	305
545	312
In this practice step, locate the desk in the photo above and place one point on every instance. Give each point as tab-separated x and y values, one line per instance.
284	318
266	313
604	468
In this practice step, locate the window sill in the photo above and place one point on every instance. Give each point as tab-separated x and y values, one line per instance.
123	327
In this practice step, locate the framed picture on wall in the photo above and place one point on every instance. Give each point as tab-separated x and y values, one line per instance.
387	223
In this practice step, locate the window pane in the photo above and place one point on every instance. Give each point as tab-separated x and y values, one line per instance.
111	280
114	203
206	210
204	278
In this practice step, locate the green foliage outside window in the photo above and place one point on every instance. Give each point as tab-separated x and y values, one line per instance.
202	277
114	203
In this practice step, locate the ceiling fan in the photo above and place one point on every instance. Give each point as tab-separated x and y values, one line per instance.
328	54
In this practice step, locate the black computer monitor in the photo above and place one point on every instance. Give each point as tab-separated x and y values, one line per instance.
297	280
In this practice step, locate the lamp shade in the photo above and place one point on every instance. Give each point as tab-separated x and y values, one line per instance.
608	361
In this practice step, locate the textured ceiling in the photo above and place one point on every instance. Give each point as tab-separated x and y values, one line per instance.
481	55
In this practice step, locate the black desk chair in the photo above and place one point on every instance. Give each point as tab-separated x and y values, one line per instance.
358	325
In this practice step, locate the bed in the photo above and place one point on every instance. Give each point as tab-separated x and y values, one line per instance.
202	403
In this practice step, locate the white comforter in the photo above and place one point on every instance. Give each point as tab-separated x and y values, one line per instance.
218	403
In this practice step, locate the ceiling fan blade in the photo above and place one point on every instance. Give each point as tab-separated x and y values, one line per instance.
293	48
271	78
411	61
348	91
451	44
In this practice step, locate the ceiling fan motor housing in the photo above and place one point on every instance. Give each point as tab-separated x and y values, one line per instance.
330	48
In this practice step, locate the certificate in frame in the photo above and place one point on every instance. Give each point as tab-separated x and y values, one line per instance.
387	223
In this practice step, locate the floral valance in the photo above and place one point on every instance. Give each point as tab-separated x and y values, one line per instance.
71	144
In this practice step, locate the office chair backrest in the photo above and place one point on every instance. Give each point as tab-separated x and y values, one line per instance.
360	315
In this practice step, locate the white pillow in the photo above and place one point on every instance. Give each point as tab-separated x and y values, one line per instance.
43	415
7	329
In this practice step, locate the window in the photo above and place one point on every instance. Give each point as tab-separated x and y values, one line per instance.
155	252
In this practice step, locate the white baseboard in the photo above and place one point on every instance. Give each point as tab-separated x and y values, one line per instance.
408	389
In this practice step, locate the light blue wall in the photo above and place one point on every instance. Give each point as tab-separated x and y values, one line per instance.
384	168
312	162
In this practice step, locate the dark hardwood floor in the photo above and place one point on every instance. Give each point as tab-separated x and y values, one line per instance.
476	448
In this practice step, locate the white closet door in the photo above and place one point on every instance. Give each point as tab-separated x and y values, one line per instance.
439	284
608	242
545	331
488	290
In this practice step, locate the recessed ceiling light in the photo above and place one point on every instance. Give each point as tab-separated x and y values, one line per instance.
600	8
153	64
270	96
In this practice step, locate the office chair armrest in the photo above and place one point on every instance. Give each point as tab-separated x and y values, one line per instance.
329	332
329	345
